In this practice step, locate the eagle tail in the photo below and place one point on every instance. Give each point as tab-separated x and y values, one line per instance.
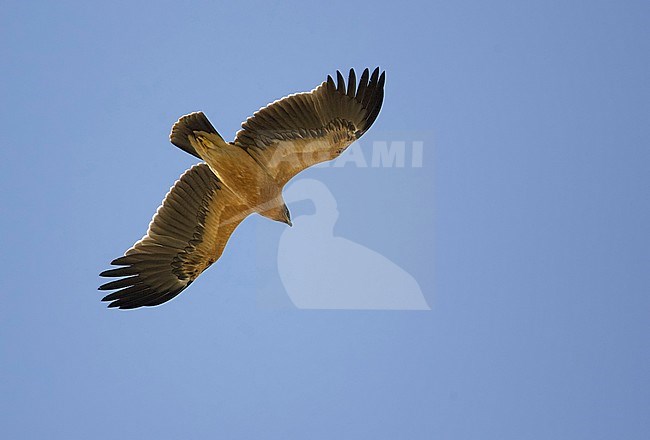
188	126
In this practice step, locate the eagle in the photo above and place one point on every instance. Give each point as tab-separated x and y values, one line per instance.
189	231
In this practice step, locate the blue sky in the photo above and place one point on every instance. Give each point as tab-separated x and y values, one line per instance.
526	226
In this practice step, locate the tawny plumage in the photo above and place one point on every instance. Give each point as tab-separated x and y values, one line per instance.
192	226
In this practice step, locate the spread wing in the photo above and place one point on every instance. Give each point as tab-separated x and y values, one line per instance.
186	235
304	129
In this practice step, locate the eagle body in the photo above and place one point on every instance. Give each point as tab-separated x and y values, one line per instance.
190	229
240	174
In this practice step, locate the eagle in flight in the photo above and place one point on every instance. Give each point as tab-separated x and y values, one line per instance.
192	226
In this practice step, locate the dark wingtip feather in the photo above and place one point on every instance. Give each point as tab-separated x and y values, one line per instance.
124	260
128	292
330	83
352	83
340	83
109	297
375	73
363	84
374	110
382	80
118	284
119	272
372	88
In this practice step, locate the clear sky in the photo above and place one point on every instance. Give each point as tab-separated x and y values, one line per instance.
526	227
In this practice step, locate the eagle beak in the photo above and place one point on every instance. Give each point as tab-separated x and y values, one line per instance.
289	222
